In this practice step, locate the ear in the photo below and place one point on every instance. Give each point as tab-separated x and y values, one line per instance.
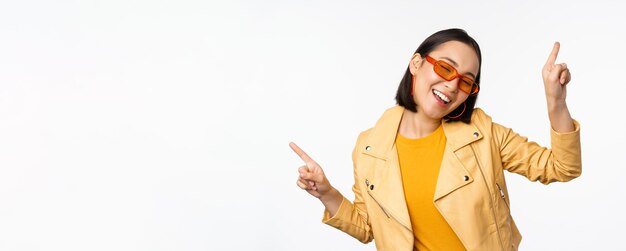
416	62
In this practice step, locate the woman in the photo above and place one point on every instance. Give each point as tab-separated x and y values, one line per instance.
429	174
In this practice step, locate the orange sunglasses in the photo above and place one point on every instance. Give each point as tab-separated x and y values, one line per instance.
448	72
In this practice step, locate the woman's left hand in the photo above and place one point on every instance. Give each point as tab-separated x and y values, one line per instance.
555	77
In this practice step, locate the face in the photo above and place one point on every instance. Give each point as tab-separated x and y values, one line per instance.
436	97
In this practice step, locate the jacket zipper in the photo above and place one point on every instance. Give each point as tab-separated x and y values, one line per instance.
493	209
389	216
502	195
507	206
381	206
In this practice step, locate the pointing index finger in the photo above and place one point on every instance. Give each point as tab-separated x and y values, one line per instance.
554	53
305	157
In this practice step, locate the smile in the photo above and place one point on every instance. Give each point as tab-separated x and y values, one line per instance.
441	96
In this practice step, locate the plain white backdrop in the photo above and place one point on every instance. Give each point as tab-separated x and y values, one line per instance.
164	125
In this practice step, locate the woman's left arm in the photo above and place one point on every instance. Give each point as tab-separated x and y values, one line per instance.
563	161
555	80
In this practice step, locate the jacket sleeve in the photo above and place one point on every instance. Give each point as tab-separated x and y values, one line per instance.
352	218
560	163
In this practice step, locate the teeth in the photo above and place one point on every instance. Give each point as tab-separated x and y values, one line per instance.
442	96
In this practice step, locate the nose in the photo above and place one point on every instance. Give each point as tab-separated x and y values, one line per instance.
453	85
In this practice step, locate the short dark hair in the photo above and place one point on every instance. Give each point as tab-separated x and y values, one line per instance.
403	95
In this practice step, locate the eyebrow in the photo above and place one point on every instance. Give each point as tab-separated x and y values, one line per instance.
457	66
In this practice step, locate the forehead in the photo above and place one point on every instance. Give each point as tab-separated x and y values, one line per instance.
459	54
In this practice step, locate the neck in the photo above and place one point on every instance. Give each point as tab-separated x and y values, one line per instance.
416	125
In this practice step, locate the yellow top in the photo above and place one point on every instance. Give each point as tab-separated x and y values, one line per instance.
420	160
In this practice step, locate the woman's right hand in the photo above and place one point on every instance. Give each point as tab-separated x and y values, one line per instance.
311	178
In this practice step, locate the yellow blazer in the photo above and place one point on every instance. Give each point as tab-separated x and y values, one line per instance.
471	192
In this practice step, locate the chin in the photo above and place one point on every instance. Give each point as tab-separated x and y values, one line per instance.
435	114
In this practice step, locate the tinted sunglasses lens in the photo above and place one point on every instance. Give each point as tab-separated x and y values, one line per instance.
445	70
466	85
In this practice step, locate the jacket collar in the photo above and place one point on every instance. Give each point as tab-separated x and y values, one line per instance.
384	134
381	144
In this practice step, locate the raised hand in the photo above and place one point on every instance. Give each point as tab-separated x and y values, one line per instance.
555	77
311	178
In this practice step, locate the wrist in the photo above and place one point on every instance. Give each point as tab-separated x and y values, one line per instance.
555	105
332	201
329	196
560	119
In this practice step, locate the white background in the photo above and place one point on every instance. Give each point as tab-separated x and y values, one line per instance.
164	125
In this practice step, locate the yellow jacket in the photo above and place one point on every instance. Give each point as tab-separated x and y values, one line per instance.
471	193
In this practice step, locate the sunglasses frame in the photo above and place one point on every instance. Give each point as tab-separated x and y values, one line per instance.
437	63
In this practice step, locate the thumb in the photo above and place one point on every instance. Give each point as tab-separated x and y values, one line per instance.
556	71
303	170
312	176
307	175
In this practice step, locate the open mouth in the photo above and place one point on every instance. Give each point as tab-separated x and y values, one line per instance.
445	99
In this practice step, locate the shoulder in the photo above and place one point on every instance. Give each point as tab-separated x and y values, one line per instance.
363	135
485	124
382	136
480	118
387	122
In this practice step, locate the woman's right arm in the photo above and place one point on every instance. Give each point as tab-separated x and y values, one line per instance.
313	180
340	213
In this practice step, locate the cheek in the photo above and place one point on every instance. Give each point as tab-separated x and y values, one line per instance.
426	80
429	75
461	98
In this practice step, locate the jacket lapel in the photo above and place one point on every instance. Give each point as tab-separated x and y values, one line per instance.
386	178
453	174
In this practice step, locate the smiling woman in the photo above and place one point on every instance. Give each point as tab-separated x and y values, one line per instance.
429	175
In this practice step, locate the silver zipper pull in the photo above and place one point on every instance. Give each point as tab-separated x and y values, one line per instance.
501	192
